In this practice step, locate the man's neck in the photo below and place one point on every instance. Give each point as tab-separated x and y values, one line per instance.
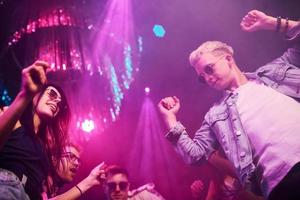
240	79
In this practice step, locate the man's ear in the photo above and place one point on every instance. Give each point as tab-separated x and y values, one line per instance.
229	59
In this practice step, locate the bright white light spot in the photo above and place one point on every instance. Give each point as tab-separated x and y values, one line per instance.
87	125
147	90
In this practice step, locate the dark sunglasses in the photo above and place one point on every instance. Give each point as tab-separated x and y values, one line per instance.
112	186
71	157
208	70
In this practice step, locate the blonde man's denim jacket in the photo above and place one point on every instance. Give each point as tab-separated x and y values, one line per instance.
222	125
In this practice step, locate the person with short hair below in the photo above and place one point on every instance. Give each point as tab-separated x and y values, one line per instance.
27	146
257	122
117	186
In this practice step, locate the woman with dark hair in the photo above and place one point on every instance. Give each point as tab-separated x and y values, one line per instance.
27	150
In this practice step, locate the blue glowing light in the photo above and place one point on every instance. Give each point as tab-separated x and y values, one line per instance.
116	92
128	65
5	98
159	30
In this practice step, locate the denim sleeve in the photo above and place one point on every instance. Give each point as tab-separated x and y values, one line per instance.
193	150
283	73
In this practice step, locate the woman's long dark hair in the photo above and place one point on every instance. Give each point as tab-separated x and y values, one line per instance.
54	133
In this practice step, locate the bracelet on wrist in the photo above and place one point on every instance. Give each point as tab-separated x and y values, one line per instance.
286	24
278	26
79	189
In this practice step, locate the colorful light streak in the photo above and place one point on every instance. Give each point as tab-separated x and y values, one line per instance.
118	49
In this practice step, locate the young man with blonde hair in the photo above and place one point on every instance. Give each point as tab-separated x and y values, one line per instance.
257	122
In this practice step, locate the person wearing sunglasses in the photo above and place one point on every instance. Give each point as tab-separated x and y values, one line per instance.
116	186
257	121
26	151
